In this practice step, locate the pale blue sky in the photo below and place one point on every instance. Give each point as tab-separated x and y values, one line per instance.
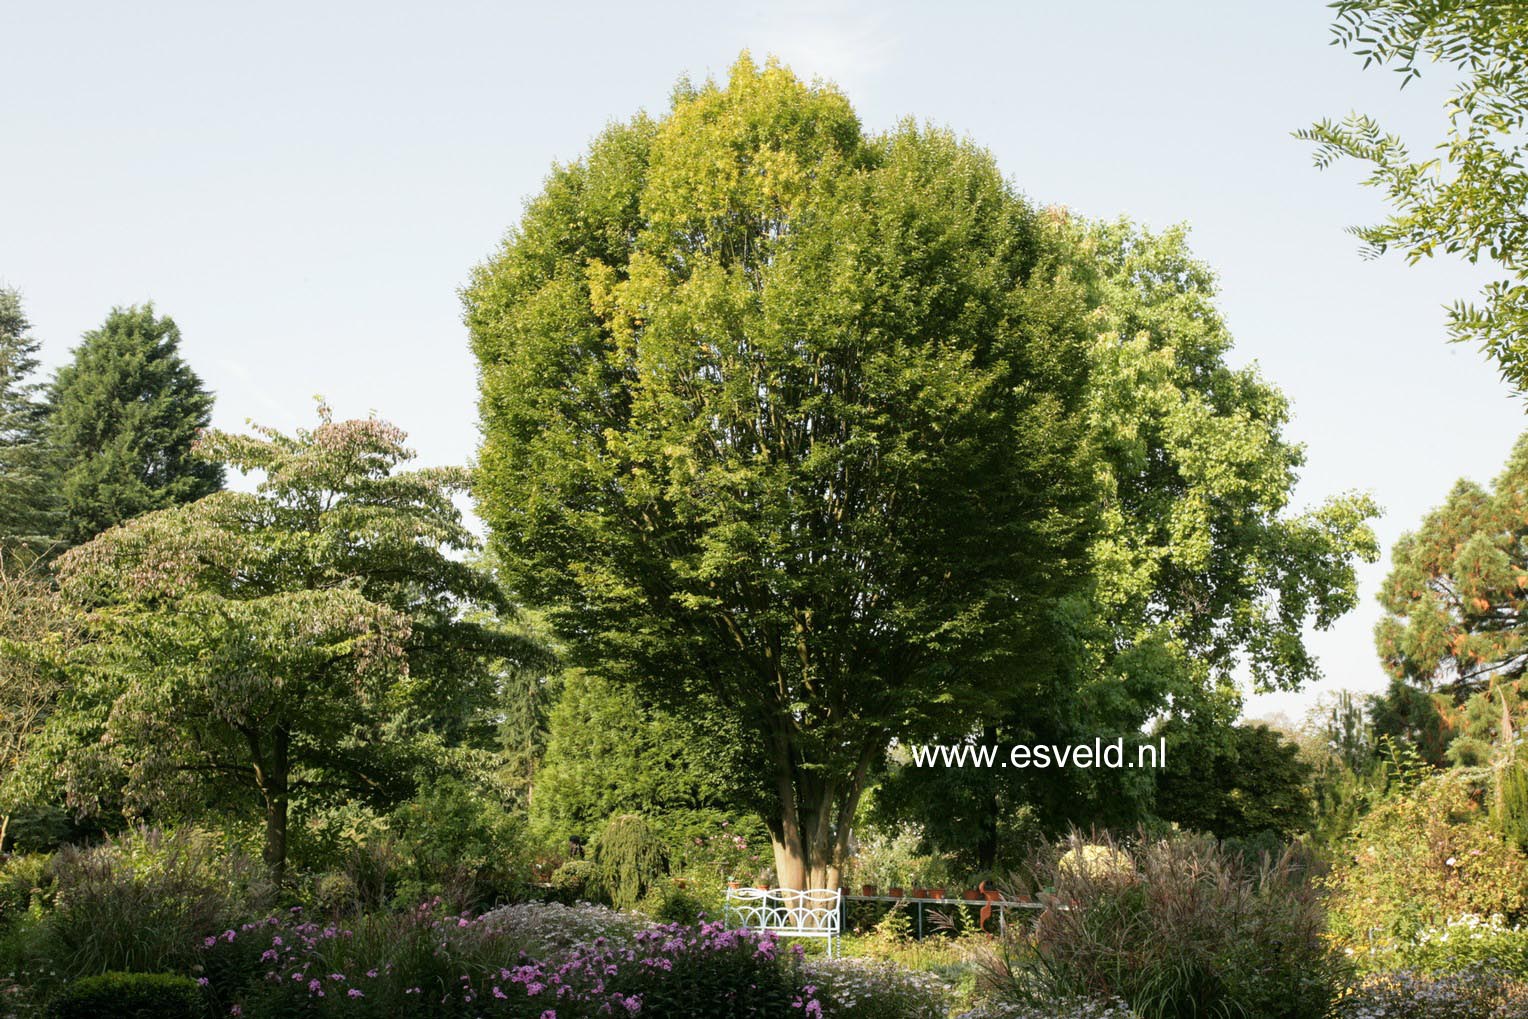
305	186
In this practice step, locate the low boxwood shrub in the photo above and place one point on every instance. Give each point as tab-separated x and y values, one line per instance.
129	996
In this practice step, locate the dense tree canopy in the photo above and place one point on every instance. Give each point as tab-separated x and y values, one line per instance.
1457	594
304	640
1455	634
1196	564
126	410
780	420
609	752
35	638
1471	199
28	481
1249	782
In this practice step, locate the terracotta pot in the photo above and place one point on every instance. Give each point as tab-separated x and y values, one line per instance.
937	893
734	884
972	894
895	893
762	888
1023	896
867	890
920	893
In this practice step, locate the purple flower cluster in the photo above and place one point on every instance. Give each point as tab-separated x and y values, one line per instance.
289	965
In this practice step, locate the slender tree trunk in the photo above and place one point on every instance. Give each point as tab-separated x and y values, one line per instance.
986	843
5	823
275	790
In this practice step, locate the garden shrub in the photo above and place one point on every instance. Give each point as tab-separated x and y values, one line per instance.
24	880
1190	932
875	989
141	902
574	881
629	859
1509	807
129	996
714	847
337	894
1464	943
455	842
1419	857
1478	994
668	903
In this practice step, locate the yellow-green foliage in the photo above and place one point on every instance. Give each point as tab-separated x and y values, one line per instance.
1096	862
1420	857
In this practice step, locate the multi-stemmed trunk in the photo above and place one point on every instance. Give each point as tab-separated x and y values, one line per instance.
811	835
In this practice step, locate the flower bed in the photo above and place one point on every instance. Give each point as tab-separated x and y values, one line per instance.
425	964
876	989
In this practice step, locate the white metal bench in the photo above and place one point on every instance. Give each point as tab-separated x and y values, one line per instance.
808	913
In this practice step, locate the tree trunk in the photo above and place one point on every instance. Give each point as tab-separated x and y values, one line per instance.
274	787
5	823
810	837
986	843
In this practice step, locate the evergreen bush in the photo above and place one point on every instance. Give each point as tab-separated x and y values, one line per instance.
129	996
629	859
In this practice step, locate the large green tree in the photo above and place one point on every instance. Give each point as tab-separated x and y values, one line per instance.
1457	595
28	481
1248	781
306	640
1471	197
1455	634
35	637
780	422
126	411
1197	565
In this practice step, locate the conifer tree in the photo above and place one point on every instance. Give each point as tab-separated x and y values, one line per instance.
27	476
125	413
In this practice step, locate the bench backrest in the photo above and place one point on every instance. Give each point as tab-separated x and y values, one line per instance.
806	913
